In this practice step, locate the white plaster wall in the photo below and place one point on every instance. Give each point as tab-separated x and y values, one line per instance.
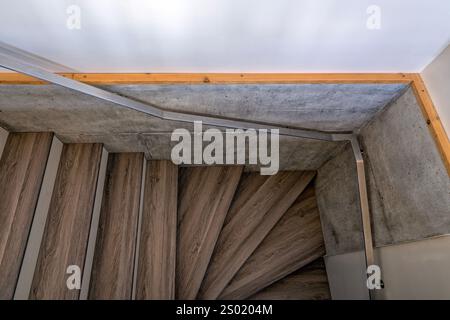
415	270
437	80
347	276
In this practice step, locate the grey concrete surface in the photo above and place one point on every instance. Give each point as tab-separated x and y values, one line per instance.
75	117
337	199
409	188
295	154
327	107
408	173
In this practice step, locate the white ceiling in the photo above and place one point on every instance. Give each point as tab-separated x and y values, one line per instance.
230	35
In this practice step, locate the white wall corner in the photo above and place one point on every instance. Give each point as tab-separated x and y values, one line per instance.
437	80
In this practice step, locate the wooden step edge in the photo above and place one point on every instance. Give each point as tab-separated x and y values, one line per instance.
139	231
3	137
90	250
70	210
38	225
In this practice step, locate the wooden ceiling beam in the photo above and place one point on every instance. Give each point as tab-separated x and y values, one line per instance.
217	78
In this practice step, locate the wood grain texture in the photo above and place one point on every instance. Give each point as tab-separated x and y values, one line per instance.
295	241
66	231
307	283
249	226
204	201
157	249
250	183
215	78
22	168
112	270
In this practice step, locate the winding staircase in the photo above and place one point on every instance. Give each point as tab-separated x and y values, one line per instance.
152	230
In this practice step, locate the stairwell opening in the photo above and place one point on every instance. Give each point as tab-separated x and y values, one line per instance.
227	232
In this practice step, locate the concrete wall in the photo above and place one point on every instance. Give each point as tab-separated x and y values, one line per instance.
409	194
415	270
337	199
409	188
437	80
78	118
409	175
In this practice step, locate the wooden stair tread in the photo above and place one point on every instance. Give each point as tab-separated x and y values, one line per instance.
295	241
112	269
157	249
249	225
205	197
307	283
66	231
22	167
